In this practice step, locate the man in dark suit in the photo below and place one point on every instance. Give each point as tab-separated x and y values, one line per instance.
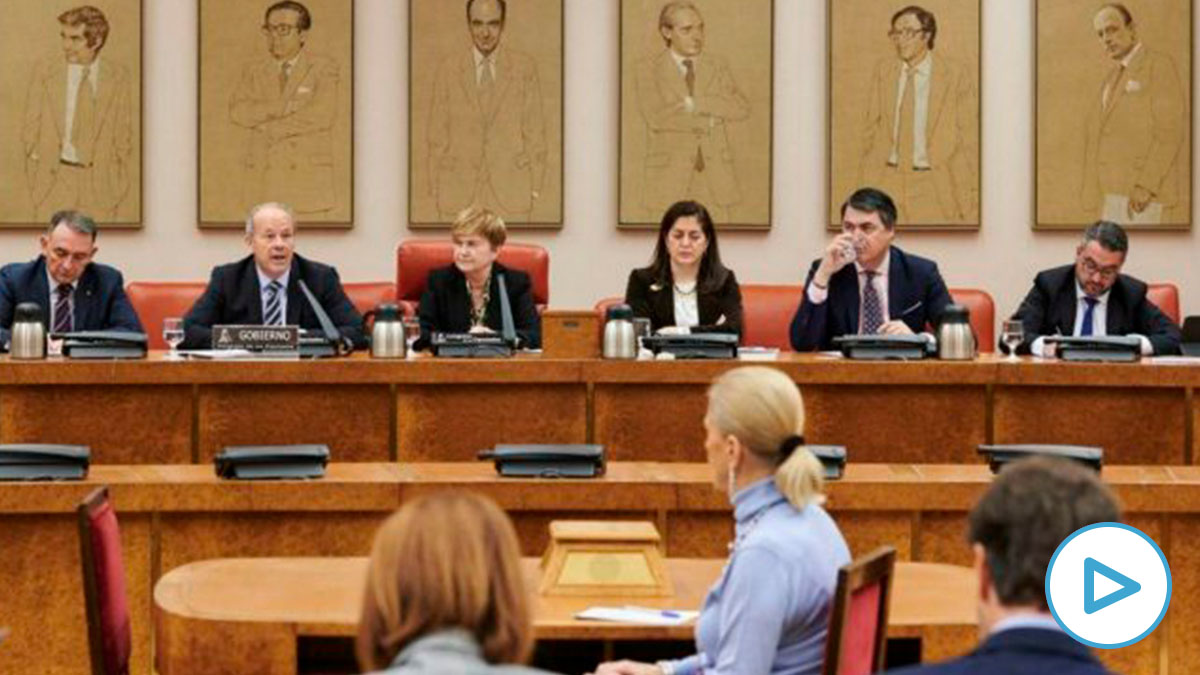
884	291
1031	507
1092	297
76	293
263	288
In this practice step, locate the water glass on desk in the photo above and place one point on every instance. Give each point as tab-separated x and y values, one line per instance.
173	336
1013	334
412	331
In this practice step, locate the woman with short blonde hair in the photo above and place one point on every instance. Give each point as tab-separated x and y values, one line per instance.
445	591
769	611
464	296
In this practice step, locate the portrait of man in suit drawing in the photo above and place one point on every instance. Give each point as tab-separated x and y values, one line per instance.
1114	113
489	129
282	110
688	128
78	122
905	112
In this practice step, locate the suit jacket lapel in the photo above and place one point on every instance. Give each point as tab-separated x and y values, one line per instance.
847	299
295	297
299	71
1065	306
106	94
670	73
466	80
939	87
898	284
85	299
1117	312
56	87
41	292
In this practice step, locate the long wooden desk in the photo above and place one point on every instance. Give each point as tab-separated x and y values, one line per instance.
246	614
173	515
155	411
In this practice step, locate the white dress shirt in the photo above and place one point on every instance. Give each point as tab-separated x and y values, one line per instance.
687	310
924	71
481	62
263	281
53	285
74	78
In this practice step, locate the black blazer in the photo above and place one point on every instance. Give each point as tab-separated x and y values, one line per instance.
916	295
1049	309
1019	651
100	300
233	296
656	301
446	305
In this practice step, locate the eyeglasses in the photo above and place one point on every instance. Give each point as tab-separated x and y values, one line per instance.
1090	267
906	33
279	29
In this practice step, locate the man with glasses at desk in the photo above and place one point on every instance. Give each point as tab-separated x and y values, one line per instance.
1096	299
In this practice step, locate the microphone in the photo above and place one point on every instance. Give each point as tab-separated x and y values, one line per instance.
327	328
508	329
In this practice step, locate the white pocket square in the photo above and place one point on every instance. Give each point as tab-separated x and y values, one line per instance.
1132	86
303	90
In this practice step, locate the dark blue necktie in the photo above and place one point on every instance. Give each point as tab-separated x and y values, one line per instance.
1086	329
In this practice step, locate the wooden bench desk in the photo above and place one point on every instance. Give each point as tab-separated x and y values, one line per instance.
246	614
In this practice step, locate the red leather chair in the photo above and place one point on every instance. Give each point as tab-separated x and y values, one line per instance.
858	620
416	257
157	300
983	315
767	312
367	295
1166	297
110	639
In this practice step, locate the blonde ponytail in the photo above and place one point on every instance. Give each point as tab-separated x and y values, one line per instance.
762	408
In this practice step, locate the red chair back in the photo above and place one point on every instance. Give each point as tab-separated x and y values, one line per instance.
858	620
110	639
1166	297
157	300
767	312
415	258
367	295
983	315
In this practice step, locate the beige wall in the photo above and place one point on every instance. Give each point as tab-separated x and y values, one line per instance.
590	258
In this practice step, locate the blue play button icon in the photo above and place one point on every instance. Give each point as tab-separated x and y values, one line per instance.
1092	604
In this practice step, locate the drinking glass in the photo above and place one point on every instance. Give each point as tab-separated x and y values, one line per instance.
412	331
1012	333
173	335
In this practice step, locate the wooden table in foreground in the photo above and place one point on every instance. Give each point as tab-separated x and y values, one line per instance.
246	614
172	515
154	411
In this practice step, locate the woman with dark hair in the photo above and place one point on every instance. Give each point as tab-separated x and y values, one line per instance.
686	289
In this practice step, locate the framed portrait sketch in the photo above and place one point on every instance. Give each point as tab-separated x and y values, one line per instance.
71	98
696	94
276	109
1114	111
485	110
904	108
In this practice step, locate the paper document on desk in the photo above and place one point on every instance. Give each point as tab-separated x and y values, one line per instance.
646	616
239	355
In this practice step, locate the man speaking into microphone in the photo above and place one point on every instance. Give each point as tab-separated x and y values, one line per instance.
264	287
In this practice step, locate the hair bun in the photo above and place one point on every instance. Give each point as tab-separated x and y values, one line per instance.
789	445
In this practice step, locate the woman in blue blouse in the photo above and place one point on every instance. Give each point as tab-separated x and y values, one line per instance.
769	610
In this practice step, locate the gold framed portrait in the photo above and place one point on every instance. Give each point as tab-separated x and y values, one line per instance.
696	110
1114	114
904	108
71	89
276	110
486	111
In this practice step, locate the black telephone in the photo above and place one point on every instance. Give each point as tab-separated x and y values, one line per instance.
103	344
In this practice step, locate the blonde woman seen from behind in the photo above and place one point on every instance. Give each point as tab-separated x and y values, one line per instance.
769	611
445	592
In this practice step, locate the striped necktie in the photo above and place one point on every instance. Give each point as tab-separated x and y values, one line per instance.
872	309
273	314
62	309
